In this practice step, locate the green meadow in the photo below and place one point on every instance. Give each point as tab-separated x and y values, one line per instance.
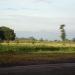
25	53
37	47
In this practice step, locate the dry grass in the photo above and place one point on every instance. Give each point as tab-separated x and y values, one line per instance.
35	58
36	53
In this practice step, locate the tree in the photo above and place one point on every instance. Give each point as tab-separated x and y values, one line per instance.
6	34
73	39
32	38
63	34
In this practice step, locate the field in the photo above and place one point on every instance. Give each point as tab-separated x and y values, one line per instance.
26	53
37	47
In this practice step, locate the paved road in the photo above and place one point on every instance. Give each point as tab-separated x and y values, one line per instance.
45	69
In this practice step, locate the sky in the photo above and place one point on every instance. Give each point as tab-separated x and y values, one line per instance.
37	15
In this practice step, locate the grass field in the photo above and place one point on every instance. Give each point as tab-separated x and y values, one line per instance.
39	47
36	53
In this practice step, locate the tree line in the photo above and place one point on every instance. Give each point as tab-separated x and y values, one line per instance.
7	34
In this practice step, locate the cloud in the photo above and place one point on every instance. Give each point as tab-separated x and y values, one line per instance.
44	1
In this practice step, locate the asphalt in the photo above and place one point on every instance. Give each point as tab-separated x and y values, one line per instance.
43	69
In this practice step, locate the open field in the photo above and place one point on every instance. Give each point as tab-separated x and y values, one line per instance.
29	53
41	58
40	43
39	47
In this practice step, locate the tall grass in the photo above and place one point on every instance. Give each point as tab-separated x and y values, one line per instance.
10	48
36	53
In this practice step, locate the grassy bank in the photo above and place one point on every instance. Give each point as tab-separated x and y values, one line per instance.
36	58
36	53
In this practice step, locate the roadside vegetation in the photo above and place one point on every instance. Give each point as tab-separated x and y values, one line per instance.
37	47
15	51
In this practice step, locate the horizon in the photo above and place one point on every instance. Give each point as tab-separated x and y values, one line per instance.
38	15
45	35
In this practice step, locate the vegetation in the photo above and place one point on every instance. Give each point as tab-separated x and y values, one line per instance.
35	58
32	51
6	34
38	47
63	34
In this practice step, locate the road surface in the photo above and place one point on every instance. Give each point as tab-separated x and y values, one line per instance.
44	69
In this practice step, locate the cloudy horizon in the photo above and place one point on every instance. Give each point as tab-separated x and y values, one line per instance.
38	15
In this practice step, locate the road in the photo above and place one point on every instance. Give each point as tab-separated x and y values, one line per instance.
44	69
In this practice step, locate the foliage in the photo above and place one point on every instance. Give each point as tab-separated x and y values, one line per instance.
28	53
73	39
6	33
63	34
37	47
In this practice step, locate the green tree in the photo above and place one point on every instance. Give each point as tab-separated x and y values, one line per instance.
6	33
63	34
73	39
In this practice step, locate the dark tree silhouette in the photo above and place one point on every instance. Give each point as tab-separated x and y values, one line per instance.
63	34
6	33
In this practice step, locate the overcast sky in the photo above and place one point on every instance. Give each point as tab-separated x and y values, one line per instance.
37	15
